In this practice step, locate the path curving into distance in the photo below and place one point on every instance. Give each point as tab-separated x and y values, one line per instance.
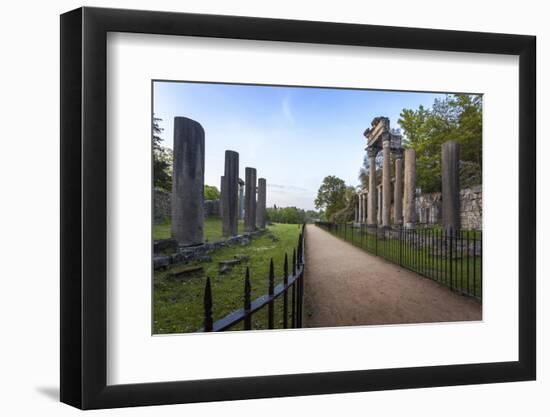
346	286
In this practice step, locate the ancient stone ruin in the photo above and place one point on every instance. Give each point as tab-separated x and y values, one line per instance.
229	197
250	200
396	201
188	182
380	138
186	207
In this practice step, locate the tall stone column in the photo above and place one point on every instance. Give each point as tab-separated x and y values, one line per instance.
241	199
222	189
398	190
409	219
359	207
188	182
230	193
250	200
371	209
450	186
260	209
365	213
386	183
379	200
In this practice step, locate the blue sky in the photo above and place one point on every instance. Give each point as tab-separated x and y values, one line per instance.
293	136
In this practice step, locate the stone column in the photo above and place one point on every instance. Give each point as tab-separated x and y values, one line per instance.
188	182
409	219
450	186
222	188
260	209
359	206
386	183
230	193
241	199
366	211
398	190
250	200
379	208
371	209
356	209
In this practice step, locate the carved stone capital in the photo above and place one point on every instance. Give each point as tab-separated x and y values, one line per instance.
372	151
397	153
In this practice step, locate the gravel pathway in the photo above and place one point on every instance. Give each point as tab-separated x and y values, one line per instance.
345	286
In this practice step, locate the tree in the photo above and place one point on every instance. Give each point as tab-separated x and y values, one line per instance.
292	215
162	159
211	192
456	117
331	196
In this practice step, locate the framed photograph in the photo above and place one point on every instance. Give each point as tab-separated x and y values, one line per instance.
258	208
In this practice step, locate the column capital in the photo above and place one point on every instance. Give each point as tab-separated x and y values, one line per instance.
386	140
372	151
398	153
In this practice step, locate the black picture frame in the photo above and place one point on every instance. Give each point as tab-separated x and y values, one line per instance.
84	207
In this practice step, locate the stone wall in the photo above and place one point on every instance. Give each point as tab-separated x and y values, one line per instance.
162	204
428	208
211	208
471	207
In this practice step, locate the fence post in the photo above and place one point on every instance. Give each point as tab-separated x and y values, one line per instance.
247	290
300	283
208	322
480	264
270	306
376	240
285	294
293	301
474	262
401	246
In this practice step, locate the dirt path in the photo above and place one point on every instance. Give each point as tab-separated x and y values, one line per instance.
345	285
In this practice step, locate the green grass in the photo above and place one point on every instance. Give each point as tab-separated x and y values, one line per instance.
462	274
212	229
178	306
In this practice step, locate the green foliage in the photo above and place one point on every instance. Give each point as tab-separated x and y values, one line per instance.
212	229
178	305
292	215
347	213
331	196
162	159
456	117
211	192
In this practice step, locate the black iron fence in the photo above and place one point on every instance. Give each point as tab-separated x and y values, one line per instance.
291	290
453	259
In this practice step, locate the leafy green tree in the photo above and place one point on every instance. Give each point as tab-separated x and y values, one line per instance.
331	196
456	117
211	192
162	159
292	215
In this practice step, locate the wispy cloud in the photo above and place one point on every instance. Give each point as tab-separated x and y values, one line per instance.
287	187
287	109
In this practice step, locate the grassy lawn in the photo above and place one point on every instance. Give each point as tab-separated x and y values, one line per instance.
178	306
212	229
462	272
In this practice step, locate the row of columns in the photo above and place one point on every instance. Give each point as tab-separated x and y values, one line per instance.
188	189
238	198
404	189
379	202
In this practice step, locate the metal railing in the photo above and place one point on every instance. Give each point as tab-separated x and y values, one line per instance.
293	283
453	259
